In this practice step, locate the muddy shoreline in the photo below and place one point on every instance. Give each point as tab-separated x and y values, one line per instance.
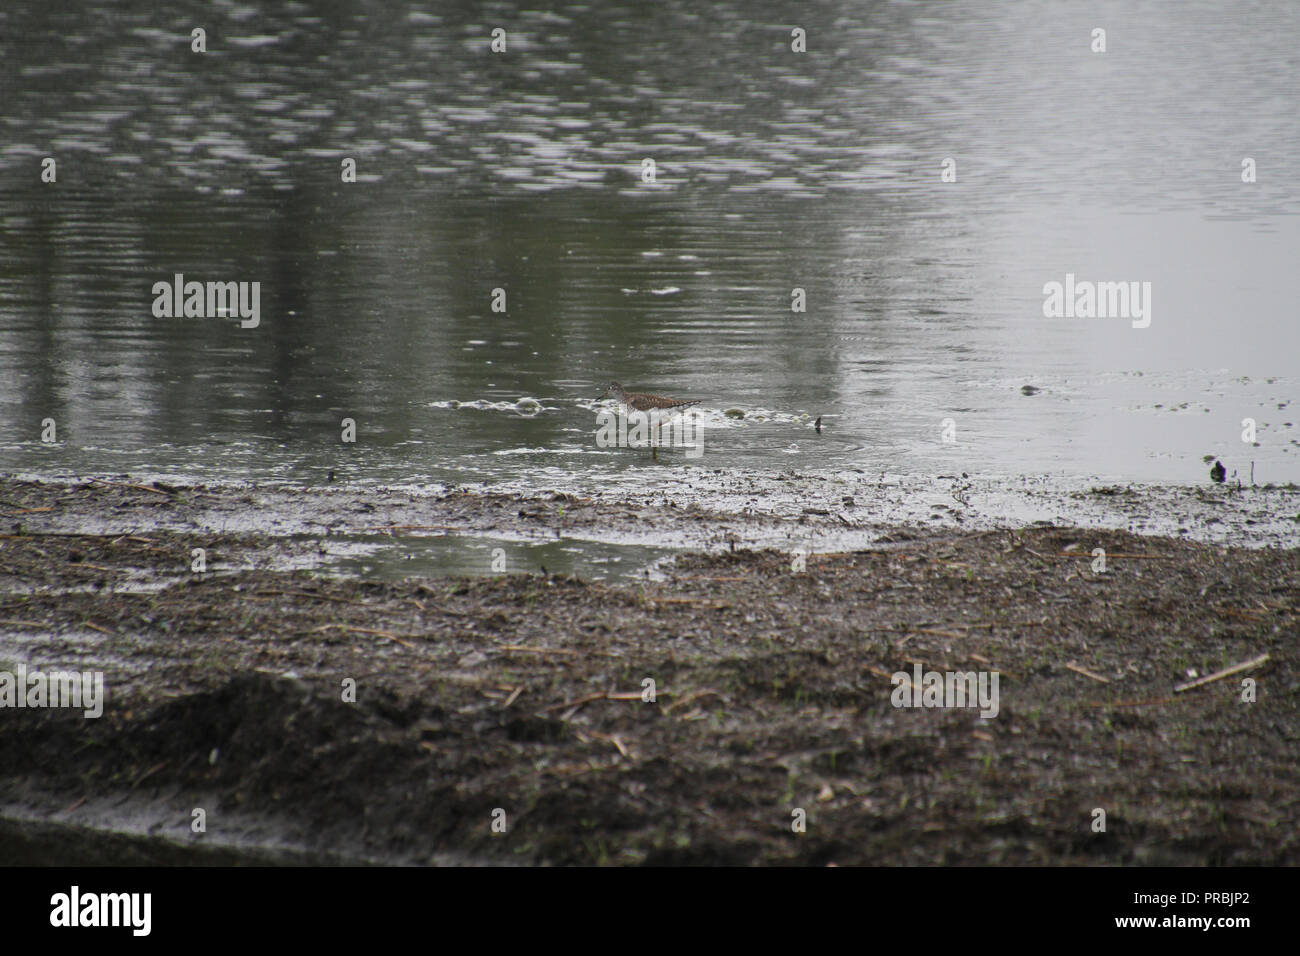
523	692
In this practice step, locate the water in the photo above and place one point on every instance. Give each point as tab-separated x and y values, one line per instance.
522	171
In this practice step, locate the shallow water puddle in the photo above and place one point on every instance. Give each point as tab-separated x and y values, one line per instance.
385	557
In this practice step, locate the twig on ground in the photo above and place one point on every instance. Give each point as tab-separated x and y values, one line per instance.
367	630
1226	672
1086	673
306	594
130	484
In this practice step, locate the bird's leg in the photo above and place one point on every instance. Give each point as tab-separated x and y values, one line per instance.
656	434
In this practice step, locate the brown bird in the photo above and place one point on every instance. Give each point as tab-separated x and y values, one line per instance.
643	402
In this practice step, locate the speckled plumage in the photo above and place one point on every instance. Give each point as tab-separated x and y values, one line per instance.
644	402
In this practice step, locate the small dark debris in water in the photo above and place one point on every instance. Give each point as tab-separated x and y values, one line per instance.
331	477
1218	472
1028	390
849	502
818	424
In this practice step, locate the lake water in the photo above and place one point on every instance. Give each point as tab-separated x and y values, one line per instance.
524	171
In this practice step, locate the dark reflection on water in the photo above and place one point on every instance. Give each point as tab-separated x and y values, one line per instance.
521	171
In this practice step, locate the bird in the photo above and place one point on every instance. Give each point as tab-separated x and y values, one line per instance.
643	402
1218	472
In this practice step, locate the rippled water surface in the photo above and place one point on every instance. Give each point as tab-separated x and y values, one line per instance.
523	171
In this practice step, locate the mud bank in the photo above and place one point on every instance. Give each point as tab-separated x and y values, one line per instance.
520	698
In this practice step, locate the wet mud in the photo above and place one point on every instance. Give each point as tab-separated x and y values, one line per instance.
735	707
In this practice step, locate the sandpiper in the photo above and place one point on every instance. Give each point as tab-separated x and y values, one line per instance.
643	402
